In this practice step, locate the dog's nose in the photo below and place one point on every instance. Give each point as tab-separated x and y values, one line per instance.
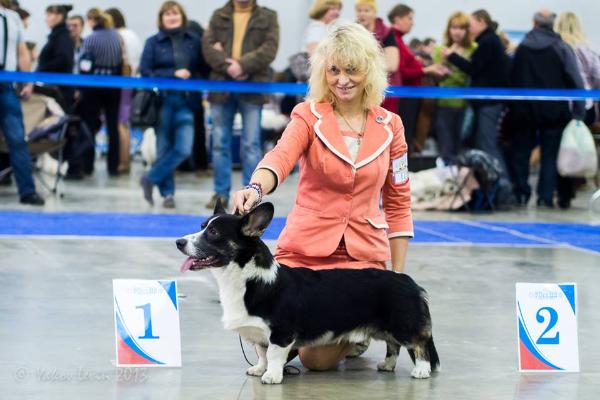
181	243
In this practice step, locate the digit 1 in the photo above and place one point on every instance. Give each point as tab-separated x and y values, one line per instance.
147	323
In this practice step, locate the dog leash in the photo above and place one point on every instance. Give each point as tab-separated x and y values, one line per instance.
287	369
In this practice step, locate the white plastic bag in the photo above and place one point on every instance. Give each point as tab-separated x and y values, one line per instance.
577	154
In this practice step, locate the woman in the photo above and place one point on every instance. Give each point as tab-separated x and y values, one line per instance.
488	67
101	55
366	15
133	50
352	153
450	113
58	53
411	68
322	13
174	52
569	28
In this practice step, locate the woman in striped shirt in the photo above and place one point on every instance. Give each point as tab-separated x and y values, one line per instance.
101	54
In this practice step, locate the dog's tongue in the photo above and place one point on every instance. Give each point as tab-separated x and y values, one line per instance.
187	264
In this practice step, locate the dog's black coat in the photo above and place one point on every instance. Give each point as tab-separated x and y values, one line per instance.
301	305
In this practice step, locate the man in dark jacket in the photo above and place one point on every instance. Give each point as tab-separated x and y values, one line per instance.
239	45
542	60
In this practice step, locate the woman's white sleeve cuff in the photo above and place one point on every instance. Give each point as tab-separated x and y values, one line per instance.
408	234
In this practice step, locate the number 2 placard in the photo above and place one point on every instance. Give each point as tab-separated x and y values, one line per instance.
146	323
547	327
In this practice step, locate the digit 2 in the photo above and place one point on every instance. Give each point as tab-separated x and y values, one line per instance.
553	318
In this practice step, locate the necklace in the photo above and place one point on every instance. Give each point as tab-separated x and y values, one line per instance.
360	133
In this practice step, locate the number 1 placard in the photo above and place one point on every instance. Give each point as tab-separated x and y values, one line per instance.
146	323
547	327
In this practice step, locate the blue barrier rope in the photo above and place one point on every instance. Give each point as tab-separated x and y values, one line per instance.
289	88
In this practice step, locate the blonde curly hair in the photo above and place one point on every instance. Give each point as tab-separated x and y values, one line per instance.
349	46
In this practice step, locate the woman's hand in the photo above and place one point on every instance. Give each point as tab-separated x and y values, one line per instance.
183	73
437	70
446	51
244	200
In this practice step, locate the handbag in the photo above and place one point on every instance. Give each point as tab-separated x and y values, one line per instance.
145	108
577	153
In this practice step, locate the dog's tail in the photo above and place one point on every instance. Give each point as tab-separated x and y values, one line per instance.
432	355
434	359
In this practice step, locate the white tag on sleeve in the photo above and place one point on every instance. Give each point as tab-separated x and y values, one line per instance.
400	170
85	65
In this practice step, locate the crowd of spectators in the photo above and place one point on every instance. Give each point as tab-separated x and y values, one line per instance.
240	43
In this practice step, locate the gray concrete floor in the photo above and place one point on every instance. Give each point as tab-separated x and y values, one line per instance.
57	332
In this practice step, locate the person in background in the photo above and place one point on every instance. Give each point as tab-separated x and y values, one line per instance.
133	49
14	56
450	113
353	157
24	15
488	67
415	45
75	23
569	28
174	52
58	53
31	46
366	15
542	60
322	13
429	45
411	69
426	113
198	161
101	55
240	44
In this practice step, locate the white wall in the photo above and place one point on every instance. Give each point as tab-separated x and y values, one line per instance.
431	15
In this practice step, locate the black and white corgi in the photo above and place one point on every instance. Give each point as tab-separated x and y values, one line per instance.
279	308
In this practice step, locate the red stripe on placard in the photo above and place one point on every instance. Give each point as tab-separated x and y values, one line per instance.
128	356
529	361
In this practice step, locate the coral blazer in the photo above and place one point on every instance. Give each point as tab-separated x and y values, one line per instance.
336	197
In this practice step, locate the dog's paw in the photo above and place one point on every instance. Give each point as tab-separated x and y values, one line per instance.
272	378
256	370
386	366
422	370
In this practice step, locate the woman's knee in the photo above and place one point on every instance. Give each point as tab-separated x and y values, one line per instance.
322	358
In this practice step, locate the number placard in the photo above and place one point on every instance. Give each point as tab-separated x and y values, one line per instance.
547	327
146	323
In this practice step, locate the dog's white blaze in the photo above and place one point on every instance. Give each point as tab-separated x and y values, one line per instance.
251	271
232	287
190	248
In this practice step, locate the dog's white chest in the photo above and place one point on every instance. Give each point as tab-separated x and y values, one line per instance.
232	288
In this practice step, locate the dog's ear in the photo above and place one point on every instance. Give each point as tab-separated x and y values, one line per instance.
219	209
256	221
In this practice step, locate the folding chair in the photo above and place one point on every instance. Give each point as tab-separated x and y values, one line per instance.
51	140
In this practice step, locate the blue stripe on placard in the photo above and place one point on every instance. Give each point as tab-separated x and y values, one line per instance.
169	287
569	291
289	88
